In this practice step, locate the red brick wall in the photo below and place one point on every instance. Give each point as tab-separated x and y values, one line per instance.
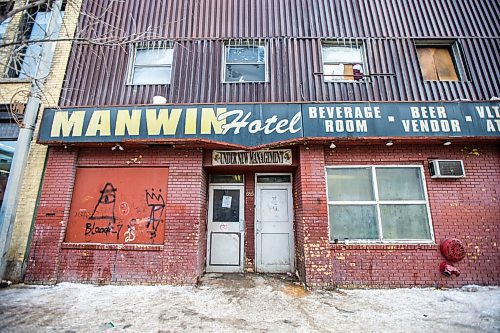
298	228
52	215
467	209
202	244
249	221
313	256
177	261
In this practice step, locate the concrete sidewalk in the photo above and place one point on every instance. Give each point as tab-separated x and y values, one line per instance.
245	303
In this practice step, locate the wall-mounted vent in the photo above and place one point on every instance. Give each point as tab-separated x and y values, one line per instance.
446	169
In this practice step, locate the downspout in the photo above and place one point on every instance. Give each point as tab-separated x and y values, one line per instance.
14	182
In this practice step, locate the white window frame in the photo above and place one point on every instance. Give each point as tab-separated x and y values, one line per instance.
148	46
356	45
377	204
245	44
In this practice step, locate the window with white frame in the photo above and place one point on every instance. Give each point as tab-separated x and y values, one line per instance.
245	63
151	63
378	203
343	62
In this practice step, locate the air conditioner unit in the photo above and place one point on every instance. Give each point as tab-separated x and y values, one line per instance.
446	168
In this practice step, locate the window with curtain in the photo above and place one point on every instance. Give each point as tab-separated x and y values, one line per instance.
343	62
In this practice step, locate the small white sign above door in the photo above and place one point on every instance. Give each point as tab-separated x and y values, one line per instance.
259	157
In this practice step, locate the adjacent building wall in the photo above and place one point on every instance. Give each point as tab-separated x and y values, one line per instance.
17	255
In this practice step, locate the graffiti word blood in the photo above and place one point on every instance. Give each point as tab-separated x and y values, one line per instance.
92	229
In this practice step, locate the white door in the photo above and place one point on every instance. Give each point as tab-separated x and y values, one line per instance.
274	239
225	229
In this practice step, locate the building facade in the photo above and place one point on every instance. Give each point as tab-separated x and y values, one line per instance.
341	141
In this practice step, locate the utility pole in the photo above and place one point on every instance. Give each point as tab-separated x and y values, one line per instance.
14	182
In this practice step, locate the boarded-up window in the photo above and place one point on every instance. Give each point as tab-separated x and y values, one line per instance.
118	206
343	63
437	63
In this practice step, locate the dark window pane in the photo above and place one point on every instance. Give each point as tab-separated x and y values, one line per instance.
353	222
404	222
226	179
226	206
274	179
245	73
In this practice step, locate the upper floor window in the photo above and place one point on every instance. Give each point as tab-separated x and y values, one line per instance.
151	63
245	62
378	203
343	62
25	61
5	8
441	61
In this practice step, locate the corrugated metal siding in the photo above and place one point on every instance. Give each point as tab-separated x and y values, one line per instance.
293	30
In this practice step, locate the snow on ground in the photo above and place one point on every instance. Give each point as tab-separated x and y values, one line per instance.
253	303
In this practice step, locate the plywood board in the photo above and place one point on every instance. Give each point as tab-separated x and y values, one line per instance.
118	206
